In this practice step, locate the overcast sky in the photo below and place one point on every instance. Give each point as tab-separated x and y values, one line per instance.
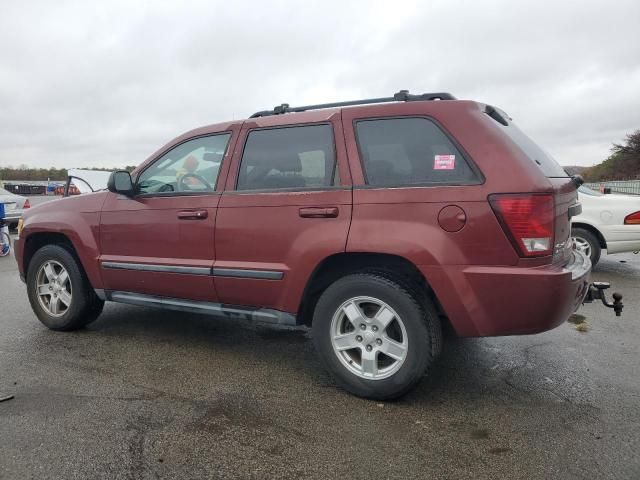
107	83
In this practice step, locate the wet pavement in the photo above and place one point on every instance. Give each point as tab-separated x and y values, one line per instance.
144	393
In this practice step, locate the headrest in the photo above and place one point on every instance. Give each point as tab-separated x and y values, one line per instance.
212	157
285	161
288	162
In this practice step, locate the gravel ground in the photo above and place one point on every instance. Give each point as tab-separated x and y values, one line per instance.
145	393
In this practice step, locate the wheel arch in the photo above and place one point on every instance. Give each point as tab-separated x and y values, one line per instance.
338	265
37	240
590	228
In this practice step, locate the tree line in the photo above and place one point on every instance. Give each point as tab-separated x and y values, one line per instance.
25	173
622	164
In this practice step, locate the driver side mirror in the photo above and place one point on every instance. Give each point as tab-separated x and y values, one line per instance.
120	182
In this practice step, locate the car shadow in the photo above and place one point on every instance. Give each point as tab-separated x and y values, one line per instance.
467	368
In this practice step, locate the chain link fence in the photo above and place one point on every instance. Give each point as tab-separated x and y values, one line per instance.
629	187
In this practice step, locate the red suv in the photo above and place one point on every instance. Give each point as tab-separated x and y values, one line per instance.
374	222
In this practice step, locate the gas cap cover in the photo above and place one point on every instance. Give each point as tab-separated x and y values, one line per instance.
452	218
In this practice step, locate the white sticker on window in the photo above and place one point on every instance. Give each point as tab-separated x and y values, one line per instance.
444	162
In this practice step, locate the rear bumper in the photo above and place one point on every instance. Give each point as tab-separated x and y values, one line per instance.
492	301
12	216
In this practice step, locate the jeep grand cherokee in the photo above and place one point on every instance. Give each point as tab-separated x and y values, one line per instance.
374	222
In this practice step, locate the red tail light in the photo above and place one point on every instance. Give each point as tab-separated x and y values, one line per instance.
26	204
528	220
632	219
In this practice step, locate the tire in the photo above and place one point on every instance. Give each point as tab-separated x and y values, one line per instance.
5	244
69	302
407	327
588	243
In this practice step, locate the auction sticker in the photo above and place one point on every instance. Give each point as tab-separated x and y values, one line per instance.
444	162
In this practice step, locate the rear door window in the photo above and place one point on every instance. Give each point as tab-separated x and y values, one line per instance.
410	151
289	158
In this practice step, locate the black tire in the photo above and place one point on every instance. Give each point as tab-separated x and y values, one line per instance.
5	244
422	325
592	240
85	305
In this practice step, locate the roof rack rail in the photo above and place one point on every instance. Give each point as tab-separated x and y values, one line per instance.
401	96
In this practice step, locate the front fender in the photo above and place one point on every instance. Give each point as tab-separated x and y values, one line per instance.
78	219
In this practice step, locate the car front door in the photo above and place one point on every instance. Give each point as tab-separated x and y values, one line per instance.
286	207
161	241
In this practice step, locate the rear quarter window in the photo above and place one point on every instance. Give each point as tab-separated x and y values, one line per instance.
410	151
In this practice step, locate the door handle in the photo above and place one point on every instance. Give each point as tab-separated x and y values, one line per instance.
319	212
193	214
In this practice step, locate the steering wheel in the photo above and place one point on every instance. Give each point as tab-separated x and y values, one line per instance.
184	187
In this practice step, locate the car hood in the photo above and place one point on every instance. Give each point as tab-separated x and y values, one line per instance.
89	203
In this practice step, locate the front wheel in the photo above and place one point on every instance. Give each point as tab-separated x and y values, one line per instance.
59	291
587	243
375	335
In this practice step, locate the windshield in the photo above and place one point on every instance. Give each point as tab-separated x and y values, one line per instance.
589	191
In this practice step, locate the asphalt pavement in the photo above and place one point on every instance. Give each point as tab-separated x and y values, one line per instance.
145	393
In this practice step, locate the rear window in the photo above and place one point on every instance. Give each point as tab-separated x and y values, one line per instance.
410	151
549	166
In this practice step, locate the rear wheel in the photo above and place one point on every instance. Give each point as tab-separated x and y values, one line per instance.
587	243
374	335
59	291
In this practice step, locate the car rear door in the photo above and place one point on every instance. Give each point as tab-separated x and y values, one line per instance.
286	207
161	241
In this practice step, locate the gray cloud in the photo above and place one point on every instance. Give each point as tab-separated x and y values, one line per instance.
106	84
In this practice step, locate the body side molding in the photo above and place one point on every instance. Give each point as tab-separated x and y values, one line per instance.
242	273
157	268
215	271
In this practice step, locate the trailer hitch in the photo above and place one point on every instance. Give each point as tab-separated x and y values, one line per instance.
596	292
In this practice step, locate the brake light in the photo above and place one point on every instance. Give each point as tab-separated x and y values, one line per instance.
632	219
26	204
528	221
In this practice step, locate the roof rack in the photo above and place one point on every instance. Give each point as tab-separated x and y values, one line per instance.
401	96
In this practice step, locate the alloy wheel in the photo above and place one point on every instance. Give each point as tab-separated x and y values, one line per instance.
582	246
53	288
369	338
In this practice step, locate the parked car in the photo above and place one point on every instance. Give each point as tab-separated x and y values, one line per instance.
14	206
610	222
373	222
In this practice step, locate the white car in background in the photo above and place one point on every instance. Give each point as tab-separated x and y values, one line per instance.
13	206
607	221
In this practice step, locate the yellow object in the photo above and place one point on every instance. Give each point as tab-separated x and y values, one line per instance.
20	226
583	327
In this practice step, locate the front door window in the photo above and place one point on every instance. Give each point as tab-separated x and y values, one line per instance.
191	167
